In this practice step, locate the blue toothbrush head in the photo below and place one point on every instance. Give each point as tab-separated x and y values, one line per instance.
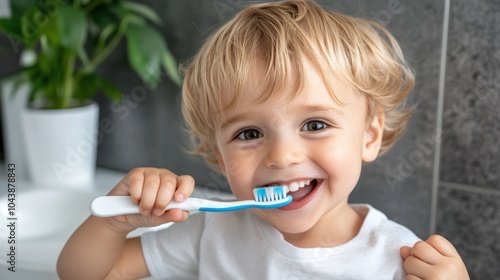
267	194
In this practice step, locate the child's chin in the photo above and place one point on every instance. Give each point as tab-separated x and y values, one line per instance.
295	226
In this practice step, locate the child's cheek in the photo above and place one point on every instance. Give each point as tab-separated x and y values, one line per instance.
235	168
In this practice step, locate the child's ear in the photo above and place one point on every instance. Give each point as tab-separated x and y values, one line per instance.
222	166
373	138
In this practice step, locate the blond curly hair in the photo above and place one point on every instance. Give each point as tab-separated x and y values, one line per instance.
283	35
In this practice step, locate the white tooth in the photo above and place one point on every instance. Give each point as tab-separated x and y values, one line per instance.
302	184
294	186
308	181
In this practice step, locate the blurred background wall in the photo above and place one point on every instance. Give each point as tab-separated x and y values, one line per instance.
442	177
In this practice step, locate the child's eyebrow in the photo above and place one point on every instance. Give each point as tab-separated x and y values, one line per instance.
235	119
316	108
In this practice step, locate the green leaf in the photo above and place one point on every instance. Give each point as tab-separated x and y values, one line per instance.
145	50
19	7
86	87
110	90
135	19
116	8
30	31
170	65
50	29
45	61
90	84
8	25
72	27
11	28
39	87
143	11
107	14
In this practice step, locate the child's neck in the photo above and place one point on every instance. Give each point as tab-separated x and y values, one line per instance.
336	228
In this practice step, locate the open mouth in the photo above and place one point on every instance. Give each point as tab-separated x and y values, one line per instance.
301	192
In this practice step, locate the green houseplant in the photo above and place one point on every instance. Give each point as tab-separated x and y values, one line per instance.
63	43
69	39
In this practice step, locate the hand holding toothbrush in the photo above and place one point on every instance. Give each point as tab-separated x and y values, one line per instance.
100	249
152	189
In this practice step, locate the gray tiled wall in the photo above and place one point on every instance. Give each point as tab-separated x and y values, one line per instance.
469	189
433	180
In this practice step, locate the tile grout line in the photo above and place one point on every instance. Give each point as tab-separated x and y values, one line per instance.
439	118
469	188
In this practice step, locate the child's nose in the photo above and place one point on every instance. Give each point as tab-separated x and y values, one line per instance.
283	152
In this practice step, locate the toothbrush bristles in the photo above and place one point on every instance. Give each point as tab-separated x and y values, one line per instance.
269	193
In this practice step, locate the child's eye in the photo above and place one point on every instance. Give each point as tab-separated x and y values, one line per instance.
249	134
314	126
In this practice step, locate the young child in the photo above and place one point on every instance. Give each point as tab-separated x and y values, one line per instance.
284	94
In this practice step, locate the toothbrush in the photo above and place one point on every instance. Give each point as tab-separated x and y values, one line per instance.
265	198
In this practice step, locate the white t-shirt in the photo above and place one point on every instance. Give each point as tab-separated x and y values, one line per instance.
240	245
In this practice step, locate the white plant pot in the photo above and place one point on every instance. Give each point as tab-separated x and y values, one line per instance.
61	145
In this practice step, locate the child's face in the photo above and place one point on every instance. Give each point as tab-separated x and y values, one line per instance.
310	140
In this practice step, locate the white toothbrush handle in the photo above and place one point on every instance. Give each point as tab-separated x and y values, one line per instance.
107	206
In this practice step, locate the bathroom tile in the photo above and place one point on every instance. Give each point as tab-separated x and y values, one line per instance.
400	182
470	152
471	222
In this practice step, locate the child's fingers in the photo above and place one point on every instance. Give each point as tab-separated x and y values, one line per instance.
425	252
185	187
176	215
416	267
138	220
178	187
150	188
173	215
442	245
405	252
132	184
153	189
165	193
434	258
